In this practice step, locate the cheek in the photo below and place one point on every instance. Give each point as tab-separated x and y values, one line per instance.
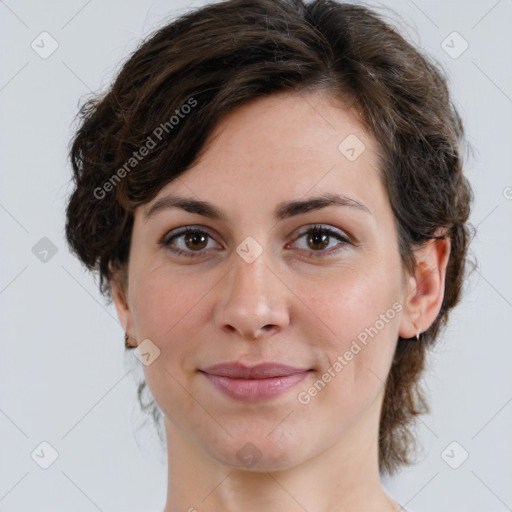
350	302
165	310
358	314
162	300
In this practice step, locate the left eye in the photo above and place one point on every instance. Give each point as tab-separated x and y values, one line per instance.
195	240
320	237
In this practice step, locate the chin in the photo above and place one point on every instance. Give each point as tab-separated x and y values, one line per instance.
251	458
261	451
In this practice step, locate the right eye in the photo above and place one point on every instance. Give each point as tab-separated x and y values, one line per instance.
194	240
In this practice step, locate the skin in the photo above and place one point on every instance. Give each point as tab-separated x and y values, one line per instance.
298	303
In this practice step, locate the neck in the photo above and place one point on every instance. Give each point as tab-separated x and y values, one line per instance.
343	478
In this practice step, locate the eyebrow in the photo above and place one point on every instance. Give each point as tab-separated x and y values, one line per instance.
283	211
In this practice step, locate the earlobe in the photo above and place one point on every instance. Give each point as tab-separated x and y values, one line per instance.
425	291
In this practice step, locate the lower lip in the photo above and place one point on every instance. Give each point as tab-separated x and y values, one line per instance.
253	390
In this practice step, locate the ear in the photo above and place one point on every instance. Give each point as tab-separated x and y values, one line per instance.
119	285
425	289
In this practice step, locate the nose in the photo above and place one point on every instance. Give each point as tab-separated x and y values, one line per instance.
253	301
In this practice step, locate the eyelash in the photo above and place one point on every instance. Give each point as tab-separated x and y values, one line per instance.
167	240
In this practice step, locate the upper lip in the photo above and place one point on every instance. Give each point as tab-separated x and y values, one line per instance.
259	371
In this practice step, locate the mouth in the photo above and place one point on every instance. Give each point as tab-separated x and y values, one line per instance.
252	384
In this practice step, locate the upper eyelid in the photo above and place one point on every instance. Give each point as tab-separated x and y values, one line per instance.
321	227
183	230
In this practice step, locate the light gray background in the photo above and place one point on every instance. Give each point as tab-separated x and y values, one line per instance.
62	372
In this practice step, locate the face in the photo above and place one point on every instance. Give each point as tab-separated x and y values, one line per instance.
317	289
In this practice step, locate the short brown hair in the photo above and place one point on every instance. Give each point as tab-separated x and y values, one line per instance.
218	57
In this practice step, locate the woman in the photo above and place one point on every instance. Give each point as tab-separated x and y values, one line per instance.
273	196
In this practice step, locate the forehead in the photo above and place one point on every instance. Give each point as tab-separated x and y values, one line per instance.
281	147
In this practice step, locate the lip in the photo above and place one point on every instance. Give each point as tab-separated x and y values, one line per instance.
259	371
254	383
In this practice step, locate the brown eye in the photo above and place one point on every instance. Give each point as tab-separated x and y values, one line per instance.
193	240
318	238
